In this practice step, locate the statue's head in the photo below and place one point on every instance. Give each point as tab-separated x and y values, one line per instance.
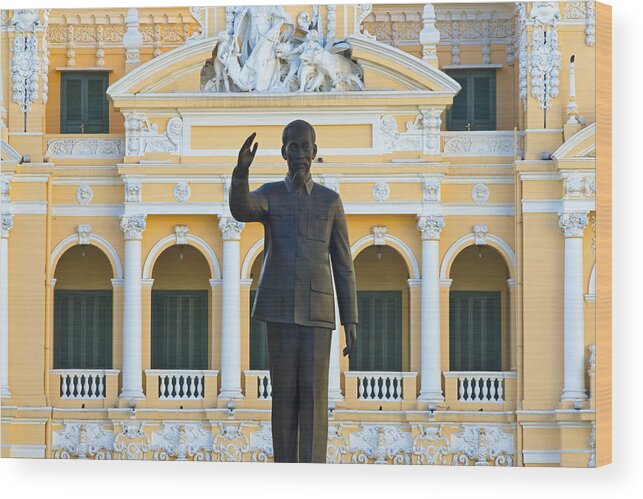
298	149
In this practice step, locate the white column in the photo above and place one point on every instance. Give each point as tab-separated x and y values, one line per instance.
431	375
574	324
7	224
231	309
132	227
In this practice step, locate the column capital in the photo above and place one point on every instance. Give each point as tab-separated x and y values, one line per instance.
7	224
230	228
430	226
572	223
133	226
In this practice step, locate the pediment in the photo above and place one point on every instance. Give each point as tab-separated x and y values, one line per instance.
387	71
9	154
580	146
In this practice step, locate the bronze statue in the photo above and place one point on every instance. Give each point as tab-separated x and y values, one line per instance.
304	223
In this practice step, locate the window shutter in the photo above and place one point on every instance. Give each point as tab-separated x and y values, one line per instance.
83	102
475	104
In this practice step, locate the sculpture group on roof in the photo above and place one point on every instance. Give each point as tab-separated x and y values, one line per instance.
264	51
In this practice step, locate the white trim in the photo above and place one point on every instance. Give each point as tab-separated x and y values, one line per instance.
469	66
250	258
550	176
28	451
541	457
474	179
192	240
558	205
96	240
86	180
12	155
395	242
92	210
469	240
590	297
27	207
30	177
580	136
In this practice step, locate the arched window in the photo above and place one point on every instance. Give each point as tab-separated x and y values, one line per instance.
382	301
180	305
83	310
478	311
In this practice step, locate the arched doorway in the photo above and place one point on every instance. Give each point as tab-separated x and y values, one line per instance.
83	302
383	307
180	322
479	311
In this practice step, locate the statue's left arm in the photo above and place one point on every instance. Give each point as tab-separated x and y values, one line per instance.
343	270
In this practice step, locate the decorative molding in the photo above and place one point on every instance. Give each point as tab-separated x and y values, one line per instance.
261	448
378	444
496	143
430	227
141	136
181	232
431	187
523	62
199	14
573	223
545	56
181	441
330	181
230	228
396	141
578	184
590	24
84	194
84	234
7	224
430	446
591	463
82	441
25	62
230	443
131	442
85	148
182	192
480	193
132	39
480	232
430	35
133	226
381	192
5	188
481	444
379	235
361	13
133	189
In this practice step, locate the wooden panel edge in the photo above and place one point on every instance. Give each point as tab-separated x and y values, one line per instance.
603	234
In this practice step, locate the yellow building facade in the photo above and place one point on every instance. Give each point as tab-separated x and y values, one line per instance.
465	160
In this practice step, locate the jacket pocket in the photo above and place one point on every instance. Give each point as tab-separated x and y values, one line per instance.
322	301
281	223
317	226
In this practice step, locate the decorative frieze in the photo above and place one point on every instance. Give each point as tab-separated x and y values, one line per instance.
133	226
25	61
378	444
381	192
480	193
545	56
182	192
478	143
480	232
199	15
182	442
261	448
84	234
131	442
230	228
396	141
379	235
422	134
430	446
573	223
523	62
181	232
141	136
85	148
84	194
479	445
430	227
133	189
82	441
230	443
578	185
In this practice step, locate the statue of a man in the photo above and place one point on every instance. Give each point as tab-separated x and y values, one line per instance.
304	223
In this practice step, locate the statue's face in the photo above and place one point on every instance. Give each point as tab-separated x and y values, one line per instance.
299	152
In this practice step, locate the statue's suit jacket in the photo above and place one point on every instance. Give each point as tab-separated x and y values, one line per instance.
301	231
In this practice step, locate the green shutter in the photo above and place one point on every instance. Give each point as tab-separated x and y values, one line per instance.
475	104
82	329
258	341
475	331
83	102
179	329
379	332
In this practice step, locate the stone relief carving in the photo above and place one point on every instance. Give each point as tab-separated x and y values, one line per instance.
261	444
480	232
430	226
131	442
478	144
230	443
181	232
84	194
7	224
480	193
545	56
260	52
84	233
141	136
379	444
381	192
431	188
133	226
579	185
182	441
81	147
82	441
25	61
133	190
481	444
573	223
182	192
230	228
430	446
379	234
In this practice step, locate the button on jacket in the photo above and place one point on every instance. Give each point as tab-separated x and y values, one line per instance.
302	228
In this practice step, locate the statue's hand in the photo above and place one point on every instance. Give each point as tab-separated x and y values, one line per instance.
246	155
350	330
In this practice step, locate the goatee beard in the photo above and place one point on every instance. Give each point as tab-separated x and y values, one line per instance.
299	177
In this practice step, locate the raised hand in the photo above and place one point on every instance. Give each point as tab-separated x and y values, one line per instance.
246	155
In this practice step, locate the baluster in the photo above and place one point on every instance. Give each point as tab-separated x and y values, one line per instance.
383	384
192	388
63	386
485	389
184	386
260	387
476	389
92	387
85	385
268	387
372	388
360	389
500	389
469	389
400	388
174	392
101	386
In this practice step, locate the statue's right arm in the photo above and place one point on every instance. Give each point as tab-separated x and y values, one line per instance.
246	206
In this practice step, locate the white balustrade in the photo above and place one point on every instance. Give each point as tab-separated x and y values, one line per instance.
264	386
379	386
480	386
83	384
180	384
